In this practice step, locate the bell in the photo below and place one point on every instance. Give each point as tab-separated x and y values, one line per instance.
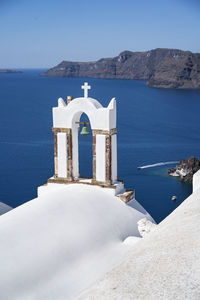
84	130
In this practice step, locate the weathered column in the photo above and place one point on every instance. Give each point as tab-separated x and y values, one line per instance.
63	153
104	155
108	159
75	152
99	157
69	156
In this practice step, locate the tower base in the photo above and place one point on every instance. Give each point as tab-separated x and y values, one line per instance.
116	189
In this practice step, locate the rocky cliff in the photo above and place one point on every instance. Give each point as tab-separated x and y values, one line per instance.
185	169
162	68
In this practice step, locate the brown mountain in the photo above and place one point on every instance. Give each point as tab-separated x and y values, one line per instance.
162	68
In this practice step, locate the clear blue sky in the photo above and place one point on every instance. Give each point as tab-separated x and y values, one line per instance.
41	33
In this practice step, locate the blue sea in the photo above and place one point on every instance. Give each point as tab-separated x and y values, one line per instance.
154	126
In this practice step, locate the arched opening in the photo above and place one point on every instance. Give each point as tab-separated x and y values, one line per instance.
82	148
85	150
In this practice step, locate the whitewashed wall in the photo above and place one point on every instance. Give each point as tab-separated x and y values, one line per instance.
196	181
75	151
100	157
62	154
100	117
114	157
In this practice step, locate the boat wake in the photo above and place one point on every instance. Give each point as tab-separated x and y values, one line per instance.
158	164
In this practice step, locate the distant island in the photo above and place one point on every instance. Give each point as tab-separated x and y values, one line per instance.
162	68
5	71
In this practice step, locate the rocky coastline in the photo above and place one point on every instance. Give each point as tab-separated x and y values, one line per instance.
185	169
161	68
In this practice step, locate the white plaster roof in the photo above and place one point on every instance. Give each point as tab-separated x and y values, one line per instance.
93	101
56	245
164	265
103	118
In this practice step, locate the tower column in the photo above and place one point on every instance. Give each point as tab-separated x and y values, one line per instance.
69	155
104	156
108	159
63	153
55	155
114	157
94	155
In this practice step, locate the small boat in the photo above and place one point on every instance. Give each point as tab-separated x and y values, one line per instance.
174	198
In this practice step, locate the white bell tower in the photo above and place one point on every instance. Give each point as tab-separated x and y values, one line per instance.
66	119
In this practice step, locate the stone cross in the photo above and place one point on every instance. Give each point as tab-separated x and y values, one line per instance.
86	87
